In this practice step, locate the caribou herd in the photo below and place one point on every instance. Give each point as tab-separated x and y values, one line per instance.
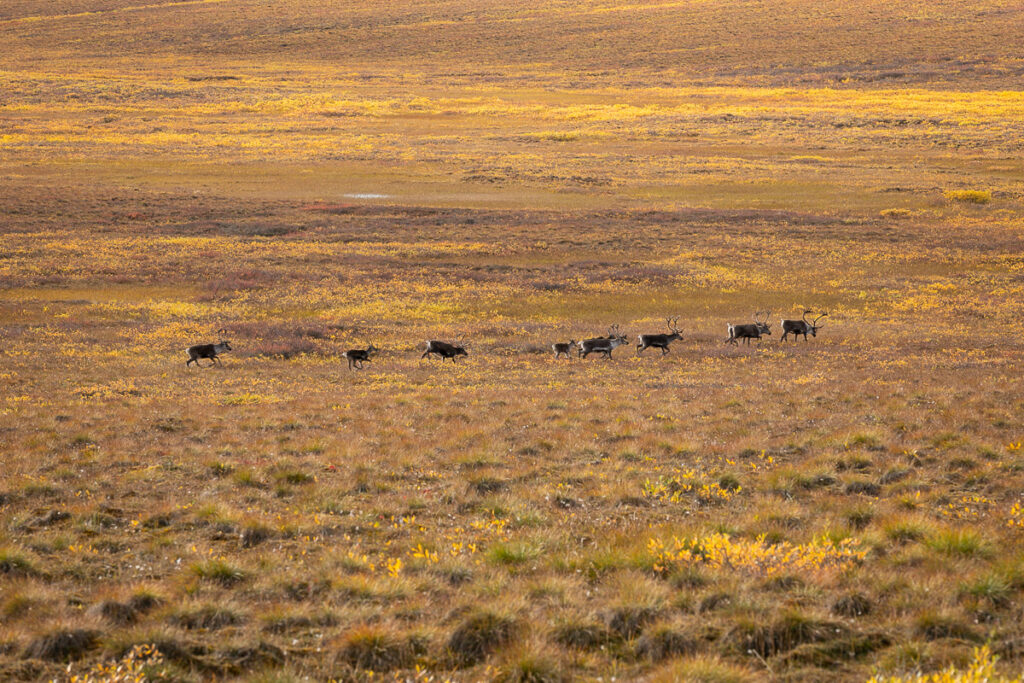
599	345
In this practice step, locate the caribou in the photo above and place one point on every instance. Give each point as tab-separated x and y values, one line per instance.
748	331
444	349
659	341
802	326
613	331
210	351
356	357
602	345
563	347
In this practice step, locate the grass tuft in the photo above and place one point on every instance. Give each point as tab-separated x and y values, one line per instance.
479	635
374	648
702	669
935	626
208	617
629	620
63	644
583	635
784	634
16	563
852	605
531	666
960	543
514	553
218	571
663	641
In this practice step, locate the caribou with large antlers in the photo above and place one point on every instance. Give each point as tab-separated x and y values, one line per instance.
612	333
802	326
603	345
748	331
210	351
659	341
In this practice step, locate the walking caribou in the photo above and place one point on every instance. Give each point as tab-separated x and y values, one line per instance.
748	331
356	357
602	345
563	347
802	326
210	351
444	349
659	341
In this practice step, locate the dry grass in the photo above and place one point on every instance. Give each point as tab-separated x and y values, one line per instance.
831	509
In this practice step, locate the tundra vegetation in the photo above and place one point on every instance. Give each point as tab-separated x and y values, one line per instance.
311	177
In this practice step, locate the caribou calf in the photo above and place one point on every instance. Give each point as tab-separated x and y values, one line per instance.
749	331
210	351
561	347
356	357
802	326
444	349
659	341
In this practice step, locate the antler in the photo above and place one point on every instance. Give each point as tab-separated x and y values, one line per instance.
815	323
675	325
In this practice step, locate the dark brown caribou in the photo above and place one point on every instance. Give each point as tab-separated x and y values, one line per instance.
562	347
444	349
210	351
659	341
802	326
748	331
356	357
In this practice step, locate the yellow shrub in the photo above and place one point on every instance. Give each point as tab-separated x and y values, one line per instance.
719	551
981	670
968	196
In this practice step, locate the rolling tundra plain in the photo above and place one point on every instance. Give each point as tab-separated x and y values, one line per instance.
304	178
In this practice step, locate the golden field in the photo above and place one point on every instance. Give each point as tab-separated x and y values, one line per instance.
312	177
